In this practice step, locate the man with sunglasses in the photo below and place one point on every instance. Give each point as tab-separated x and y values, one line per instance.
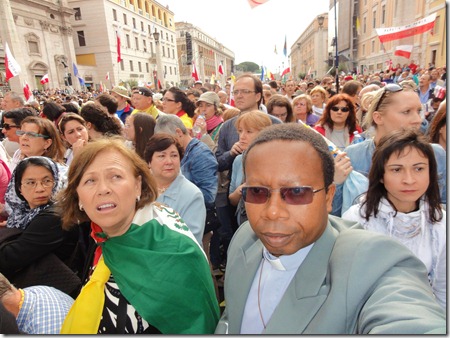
292	269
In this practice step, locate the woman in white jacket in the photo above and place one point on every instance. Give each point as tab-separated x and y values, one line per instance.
402	202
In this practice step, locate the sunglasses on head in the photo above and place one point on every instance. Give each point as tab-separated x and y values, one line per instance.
342	109
291	195
9	126
392	88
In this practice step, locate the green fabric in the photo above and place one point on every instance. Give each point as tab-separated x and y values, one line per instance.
174	292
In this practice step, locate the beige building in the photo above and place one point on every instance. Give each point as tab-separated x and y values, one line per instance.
207	54
39	36
309	52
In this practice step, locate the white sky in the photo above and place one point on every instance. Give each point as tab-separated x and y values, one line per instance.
251	33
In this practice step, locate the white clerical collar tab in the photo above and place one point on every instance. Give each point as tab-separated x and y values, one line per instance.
274	261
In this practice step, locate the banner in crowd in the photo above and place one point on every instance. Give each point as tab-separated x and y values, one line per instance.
44	79
404	50
12	68
396	33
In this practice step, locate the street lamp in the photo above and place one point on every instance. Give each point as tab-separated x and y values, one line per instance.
158	61
320	20
202	66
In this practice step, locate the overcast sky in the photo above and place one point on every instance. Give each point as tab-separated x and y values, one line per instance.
251	33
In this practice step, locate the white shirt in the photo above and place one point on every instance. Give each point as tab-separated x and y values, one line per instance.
273	280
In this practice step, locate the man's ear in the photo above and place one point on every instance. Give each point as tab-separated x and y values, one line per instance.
179	133
329	197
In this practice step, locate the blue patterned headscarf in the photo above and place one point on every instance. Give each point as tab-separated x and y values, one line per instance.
20	214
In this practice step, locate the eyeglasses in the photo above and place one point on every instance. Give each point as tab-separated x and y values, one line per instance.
32	184
9	126
392	88
342	109
299	104
165	99
291	195
280	115
242	91
30	134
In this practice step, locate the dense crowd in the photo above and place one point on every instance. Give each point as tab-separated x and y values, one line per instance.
223	208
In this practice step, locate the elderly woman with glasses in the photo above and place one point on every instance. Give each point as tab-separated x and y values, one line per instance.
391	108
338	122
302	107
33	228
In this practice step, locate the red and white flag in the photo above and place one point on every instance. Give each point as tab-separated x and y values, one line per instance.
396	33
119	55
44	79
404	50
233	80
255	3
27	91
12	68
100	88
194	72
107	76
220	70
286	71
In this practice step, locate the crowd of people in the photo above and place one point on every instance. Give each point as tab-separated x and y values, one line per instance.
256	207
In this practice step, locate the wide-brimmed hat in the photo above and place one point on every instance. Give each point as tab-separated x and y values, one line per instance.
209	97
122	91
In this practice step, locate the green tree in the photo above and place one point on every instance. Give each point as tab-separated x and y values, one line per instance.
248	66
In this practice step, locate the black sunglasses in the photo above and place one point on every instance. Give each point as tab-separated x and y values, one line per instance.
342	109
390	87
9	126
291	195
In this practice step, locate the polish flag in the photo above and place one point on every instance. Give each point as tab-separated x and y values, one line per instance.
119	55
220	69
194	72
404	50
286	71
101	87
233	79
12	68
255	3
396	33
27	91
44	79
107	76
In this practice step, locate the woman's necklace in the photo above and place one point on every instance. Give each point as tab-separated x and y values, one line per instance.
162	190
259	291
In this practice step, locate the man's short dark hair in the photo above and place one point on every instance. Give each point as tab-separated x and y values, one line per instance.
18	115
295	132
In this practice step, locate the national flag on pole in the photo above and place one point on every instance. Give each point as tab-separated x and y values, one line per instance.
270	75
262	73
159	84
220	70
255	3
286	71
285	47
26	91
101	87
233	79
12	68
75	72
396	33
358	26
404	50
119	55
107	76
44	79
194	72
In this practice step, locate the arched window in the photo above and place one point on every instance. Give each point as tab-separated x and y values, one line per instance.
33	44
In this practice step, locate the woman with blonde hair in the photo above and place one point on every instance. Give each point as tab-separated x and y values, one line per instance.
318	97
302	107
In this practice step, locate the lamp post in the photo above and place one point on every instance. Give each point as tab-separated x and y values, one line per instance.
159	71
202	66
336	45
320	20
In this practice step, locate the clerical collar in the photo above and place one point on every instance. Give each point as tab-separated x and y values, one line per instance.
287	262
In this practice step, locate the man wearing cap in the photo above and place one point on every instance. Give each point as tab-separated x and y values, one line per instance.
124	109
143	102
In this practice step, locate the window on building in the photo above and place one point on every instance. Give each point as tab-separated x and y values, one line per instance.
170	70
167	37
165	71
81	39
142	26
147	69
173	53
125	22
114	14
364	25
144	44
171	38
134	23
163	51
77	13
383	14
374	19
122	67
364	49
131	66
140	67
175	70
373	46
136	43
433	57
128	41
168	52
149	29
33	47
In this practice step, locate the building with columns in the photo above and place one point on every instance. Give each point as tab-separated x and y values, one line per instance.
207	53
